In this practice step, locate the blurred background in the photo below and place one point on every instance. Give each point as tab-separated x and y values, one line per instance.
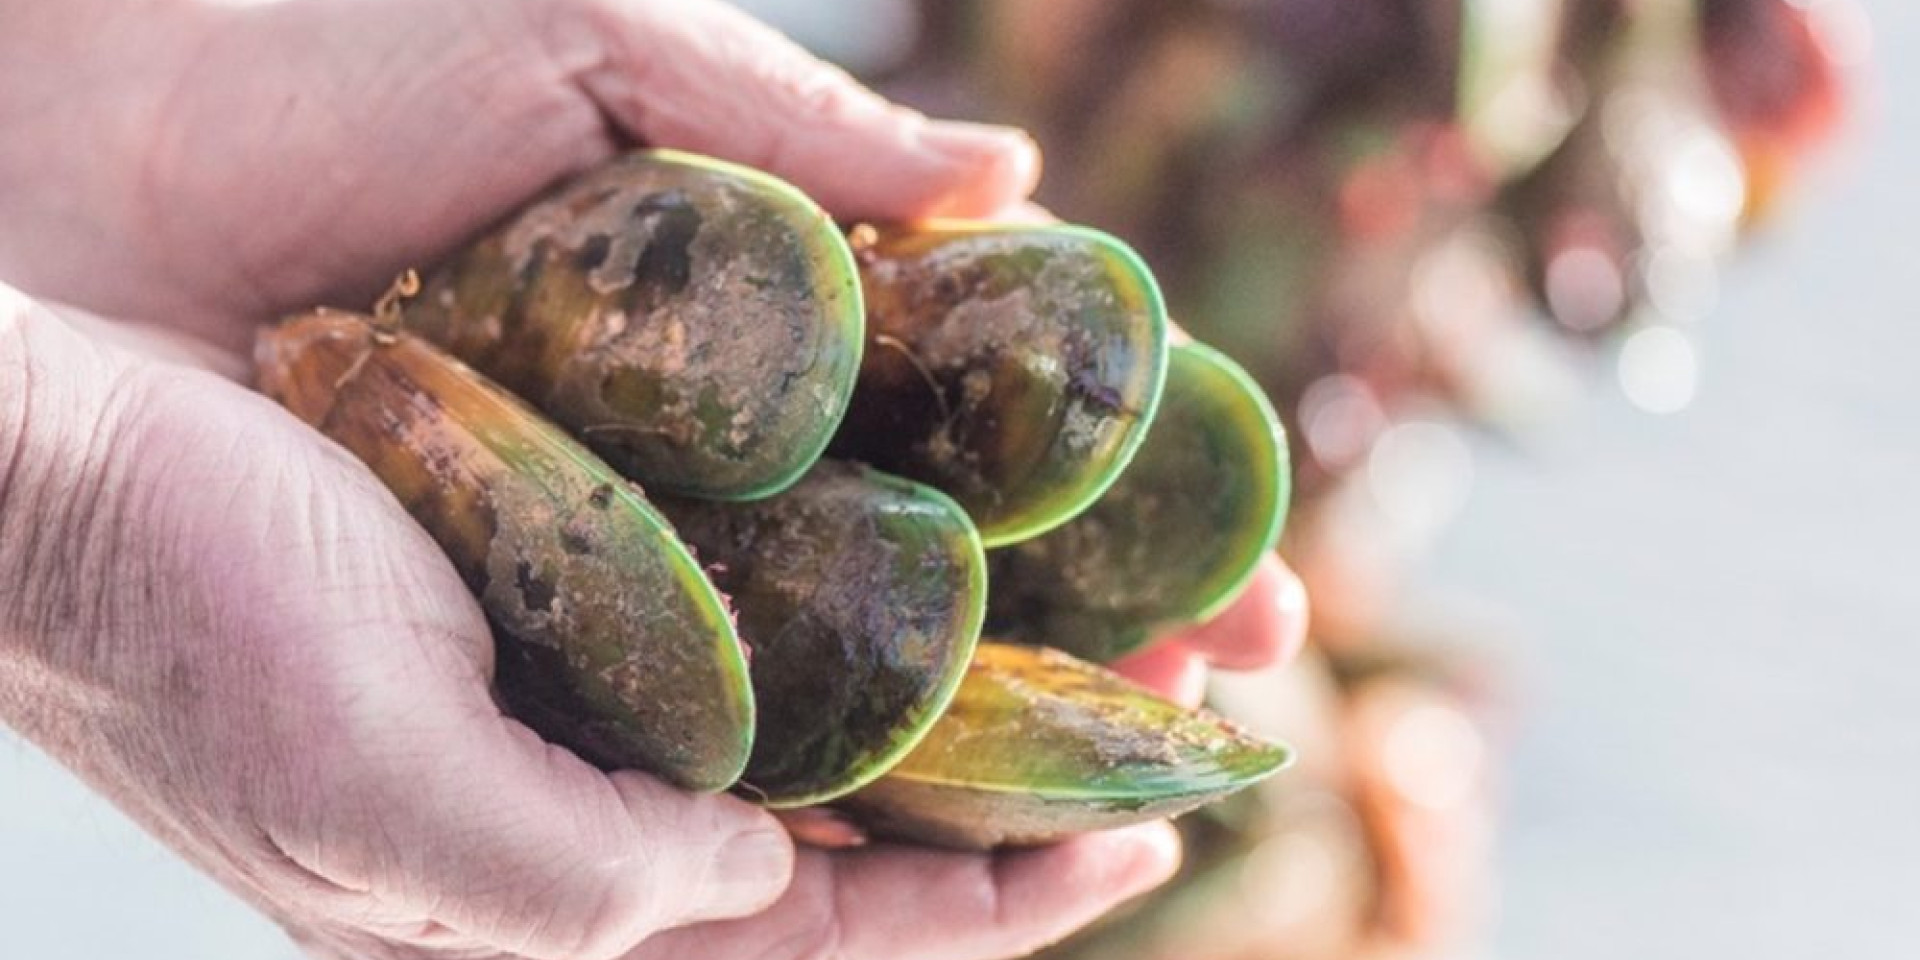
1587	320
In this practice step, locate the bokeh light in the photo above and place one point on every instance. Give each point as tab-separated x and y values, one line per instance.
1658	370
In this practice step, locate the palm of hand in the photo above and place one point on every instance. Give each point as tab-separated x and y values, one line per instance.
346	771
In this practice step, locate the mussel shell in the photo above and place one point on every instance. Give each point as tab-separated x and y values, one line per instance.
860	596
1173	540
611	641
1013	367
1038	745
697	323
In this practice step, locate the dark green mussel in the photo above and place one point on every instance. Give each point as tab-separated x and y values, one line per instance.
1014	367
1038	746
610	638
860	596
698	324
1173	540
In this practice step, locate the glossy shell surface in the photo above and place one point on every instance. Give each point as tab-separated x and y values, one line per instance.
697	323
611	641
1038	746
860	596
1013	367
1173	540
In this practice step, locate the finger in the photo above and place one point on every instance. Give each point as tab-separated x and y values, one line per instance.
1169	669
1265	625
702	76
896	903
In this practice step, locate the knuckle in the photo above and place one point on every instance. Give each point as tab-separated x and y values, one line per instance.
821	93
805	104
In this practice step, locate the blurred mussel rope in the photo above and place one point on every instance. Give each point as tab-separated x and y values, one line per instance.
1410	219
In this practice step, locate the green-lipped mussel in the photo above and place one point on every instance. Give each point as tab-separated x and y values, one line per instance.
1173	540
611	639
1038	745
696	323
860	596
1014	367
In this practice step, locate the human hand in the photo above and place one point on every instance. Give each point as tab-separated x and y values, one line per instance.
240	639
221	162
232	631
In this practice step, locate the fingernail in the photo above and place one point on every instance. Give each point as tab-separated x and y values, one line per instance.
748	874
822	827
1153	856
975	141
1003	163
1191	688
1295	611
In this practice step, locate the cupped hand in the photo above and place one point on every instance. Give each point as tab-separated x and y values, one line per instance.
224	624
233	631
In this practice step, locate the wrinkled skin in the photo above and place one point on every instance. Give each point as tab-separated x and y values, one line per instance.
222	623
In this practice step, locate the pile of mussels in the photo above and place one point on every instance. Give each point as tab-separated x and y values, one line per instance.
740	493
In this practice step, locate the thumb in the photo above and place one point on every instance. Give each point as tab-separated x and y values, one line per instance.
462	826
408	786
700	75
553	860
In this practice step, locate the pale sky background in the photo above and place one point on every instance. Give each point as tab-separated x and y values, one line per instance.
1720	749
